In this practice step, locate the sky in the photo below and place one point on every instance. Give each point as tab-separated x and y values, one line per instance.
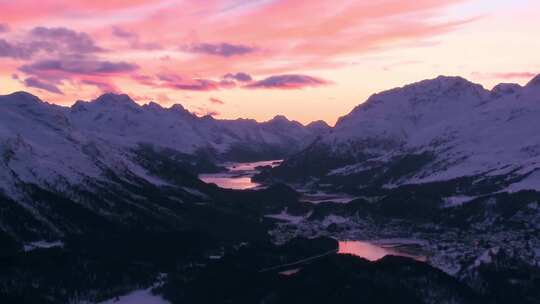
307	60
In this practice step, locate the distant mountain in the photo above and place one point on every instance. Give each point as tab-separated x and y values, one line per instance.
118	119
439	130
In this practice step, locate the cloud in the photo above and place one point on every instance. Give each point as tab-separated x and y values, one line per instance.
178	82
199	111
216	101
514	75
242	77
72	41
134	39
196	85
105	87
84	66
291	81
16	50
57	41
36	83
223	49
4	28
144	79
121	33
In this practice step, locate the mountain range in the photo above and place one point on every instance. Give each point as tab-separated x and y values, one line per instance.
96	156
103	197
440	130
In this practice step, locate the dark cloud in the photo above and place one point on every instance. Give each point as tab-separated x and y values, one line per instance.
36	83
242	77
287	82
70	40
189	84
78	66
220	49
196	85
16	50
58	42
4	28
216	100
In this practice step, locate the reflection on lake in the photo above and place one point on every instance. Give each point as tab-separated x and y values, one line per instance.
238	175
228	182
374	252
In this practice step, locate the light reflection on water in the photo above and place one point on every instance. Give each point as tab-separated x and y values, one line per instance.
374	252
229	182
238	175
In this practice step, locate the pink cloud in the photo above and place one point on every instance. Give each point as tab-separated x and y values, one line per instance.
514	75
104	86
150	43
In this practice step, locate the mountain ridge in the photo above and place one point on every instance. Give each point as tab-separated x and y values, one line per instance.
462	129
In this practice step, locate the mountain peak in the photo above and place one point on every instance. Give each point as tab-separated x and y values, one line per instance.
535	82
446	82
505	89
279	118
318	124
113	99
153	105
178	107
433	89
22	97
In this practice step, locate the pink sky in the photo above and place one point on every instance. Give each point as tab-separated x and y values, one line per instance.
307	60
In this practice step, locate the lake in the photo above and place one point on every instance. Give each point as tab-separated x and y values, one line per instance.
374	251
238	175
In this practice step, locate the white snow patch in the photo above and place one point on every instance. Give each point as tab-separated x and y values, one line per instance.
43	245
486	257
143	296
284	216
458	200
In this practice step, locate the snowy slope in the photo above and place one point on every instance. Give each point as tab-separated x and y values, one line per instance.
48	145
65	170
119	120
460	128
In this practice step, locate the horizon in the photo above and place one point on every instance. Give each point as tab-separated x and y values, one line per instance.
332	125
222	63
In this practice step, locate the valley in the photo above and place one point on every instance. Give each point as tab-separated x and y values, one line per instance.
109	199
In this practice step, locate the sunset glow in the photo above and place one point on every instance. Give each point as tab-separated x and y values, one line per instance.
307	60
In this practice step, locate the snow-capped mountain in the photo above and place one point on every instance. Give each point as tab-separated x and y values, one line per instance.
435	130
119	120
109	161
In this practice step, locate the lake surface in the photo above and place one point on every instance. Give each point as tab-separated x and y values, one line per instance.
238	175
374	251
